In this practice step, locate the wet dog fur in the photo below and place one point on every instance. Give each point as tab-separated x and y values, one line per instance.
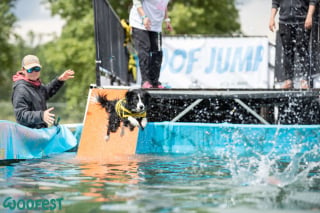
136	102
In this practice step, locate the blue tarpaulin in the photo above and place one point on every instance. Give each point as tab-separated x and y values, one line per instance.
175	138
20	142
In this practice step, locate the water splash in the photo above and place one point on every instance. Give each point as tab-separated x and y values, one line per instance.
282	170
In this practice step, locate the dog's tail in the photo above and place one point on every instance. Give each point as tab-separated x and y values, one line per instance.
102	100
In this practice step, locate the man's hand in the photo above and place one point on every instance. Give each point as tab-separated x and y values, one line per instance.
147	23
66	75
48	117
169	26
272	25
308	23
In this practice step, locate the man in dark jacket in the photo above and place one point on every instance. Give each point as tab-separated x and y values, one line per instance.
295	23
29	97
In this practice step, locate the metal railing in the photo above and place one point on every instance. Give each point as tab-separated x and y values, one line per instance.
111	57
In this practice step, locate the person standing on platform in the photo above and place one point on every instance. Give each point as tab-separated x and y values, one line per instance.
29	97
295	23
146	18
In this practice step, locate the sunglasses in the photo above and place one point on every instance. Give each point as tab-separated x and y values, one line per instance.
33	69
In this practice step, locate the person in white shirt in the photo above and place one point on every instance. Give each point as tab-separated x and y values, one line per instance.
146	18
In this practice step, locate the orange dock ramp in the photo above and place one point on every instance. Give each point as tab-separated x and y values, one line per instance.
93	144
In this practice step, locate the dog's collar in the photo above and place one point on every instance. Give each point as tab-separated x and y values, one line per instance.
123	112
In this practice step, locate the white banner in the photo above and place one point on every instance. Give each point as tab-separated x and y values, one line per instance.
215	62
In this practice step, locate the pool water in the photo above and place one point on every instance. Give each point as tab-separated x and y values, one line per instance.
199	182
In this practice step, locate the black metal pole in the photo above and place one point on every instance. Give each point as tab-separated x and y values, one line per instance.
96	32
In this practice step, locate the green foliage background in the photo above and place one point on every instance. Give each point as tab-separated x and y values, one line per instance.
75	48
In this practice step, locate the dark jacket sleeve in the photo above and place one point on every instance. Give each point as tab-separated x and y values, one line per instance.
22	109
313	2
275	4
53	87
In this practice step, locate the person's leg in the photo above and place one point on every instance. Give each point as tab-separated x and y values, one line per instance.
303	59
155	58
141	41
287	39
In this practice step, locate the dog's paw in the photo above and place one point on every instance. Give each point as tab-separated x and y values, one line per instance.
133	121
106	138
144	122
